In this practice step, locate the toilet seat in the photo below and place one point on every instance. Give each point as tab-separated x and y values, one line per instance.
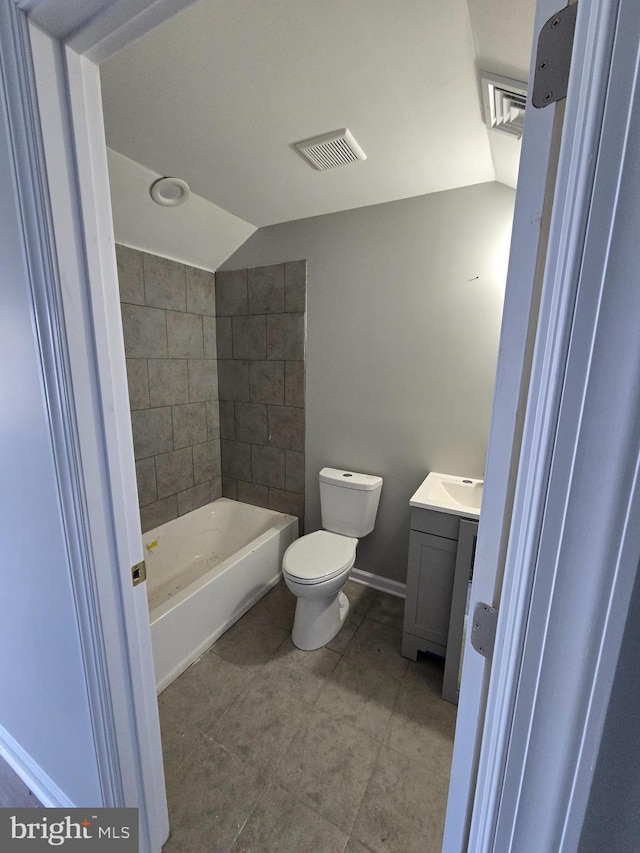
319	556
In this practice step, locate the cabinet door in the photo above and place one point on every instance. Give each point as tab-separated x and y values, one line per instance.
429	586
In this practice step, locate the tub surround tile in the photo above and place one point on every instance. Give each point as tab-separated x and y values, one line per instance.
164	283
211	797
230	488
249	337
252	493
206	461
231	293
174	472
215	489
285	336
227	410
286	427
209	336
184	335
213	419
294	471
224	337
236	460
145	331
130	275
295	286
138	383
328	766
267	382
289	503
193	498
189	424
201	292
403	807
155	514
294	384
168	384
267	466
251	422
152	431
203	380
266	289
146	480
233	380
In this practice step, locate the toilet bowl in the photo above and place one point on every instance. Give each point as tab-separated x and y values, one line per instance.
317	566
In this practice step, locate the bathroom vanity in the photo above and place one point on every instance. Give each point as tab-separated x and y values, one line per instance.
442	539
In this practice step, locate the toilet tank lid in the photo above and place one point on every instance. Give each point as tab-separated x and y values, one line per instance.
350	480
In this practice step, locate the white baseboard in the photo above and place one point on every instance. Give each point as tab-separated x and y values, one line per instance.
33	776
378	582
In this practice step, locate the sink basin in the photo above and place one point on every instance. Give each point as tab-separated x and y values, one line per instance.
446	493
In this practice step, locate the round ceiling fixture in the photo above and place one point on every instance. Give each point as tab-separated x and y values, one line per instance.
170	192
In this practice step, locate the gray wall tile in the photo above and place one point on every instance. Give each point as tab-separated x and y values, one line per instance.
294	383
295	286
288	502
267	466
209	328
233	380
227	419
231	293
189	424
215	489
230	488
213	420
224	337
164	283
193	498
251	422
138	383
249	337
155	514
168	382
286	427
130	276
152	432
203	380
285	336
236	460
206	461
146	479
251	493
145	331
266	289
184	335
174	471
267	382
294	471
201	291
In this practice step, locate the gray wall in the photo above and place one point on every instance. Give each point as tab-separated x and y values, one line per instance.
404	302
168	319
260	332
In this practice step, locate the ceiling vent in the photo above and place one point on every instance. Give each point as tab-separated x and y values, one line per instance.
331	149
504	103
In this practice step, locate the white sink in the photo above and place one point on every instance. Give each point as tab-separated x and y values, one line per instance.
446	493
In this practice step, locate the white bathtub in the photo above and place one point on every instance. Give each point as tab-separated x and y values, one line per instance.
204	571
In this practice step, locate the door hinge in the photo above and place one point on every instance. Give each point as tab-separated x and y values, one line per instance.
483	629
139	573
553	57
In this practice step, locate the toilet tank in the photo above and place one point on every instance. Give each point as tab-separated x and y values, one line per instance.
349	501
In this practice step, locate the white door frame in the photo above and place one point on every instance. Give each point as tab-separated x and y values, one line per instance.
77	242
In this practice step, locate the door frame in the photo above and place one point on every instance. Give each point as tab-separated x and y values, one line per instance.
79	241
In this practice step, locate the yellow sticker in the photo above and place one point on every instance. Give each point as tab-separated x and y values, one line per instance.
152	545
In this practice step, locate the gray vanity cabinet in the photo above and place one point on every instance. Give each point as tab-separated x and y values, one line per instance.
434	567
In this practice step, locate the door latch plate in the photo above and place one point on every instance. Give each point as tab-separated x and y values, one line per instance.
139	573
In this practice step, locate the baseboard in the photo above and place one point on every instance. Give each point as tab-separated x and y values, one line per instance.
33	776
378	582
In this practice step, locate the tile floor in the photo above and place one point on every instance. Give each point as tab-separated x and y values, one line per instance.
343	750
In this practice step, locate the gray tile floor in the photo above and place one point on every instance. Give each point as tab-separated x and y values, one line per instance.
346	749
13	792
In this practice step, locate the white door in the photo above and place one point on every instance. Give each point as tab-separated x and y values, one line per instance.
524	543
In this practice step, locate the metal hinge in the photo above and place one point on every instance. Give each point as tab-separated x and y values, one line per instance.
139	573
553	57
483	630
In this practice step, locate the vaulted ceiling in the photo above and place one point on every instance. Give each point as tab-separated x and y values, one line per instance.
218	95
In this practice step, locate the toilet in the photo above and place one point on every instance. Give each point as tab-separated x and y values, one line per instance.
317	566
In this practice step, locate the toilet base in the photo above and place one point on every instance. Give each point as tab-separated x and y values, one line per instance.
317	622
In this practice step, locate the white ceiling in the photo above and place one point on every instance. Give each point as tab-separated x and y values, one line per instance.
218	95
